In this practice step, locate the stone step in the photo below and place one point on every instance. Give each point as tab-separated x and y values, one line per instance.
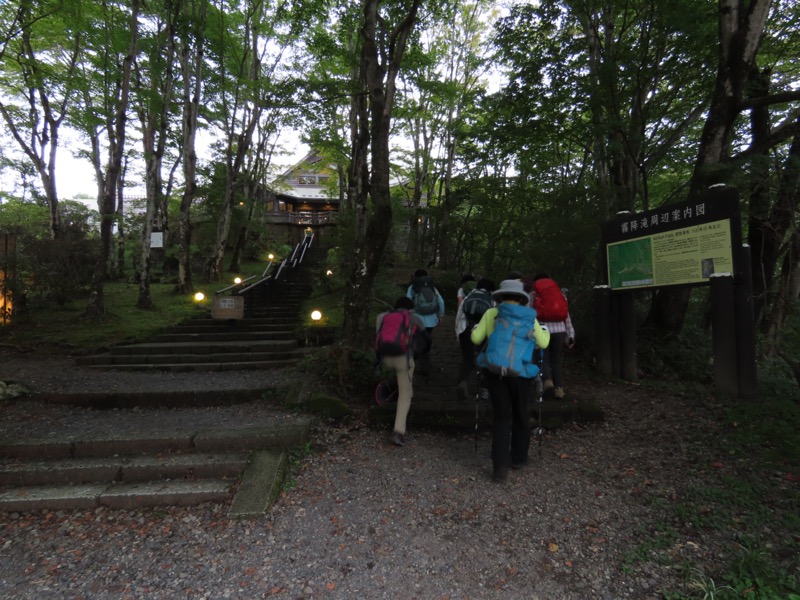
120	469
200	347
236	439
124	496
278	358
224	327
186	367
280	333
243	465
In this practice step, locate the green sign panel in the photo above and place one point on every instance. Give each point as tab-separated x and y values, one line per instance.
680	244
682	256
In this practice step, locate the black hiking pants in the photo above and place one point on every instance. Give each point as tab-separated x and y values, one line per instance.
511	432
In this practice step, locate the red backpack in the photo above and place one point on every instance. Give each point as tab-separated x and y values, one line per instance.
395	335
550	303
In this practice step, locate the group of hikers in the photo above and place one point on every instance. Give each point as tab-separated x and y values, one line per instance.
512	333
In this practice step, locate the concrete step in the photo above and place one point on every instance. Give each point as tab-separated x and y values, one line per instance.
281	333
243	465
228	327
186	367
130	469
199	347
125	496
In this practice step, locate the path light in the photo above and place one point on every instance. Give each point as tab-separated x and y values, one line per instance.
316	316
271	256
199	297
328	272
237	280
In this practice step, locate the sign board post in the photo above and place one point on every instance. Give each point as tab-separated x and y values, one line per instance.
697	242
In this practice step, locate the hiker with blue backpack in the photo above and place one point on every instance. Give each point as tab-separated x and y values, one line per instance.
511	333
429	307
400	335
470	312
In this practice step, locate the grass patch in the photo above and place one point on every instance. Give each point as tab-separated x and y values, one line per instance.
749	507
56	327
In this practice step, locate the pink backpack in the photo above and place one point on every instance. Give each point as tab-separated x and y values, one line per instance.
395	334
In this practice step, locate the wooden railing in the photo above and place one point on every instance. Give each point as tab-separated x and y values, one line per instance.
301	218
266	286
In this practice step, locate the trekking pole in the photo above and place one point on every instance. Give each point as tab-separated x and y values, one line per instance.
477	401
540	401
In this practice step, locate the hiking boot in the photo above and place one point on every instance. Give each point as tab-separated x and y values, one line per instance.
500	474
398	439
559	393
548	384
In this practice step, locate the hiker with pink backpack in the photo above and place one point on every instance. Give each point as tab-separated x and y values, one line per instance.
400	336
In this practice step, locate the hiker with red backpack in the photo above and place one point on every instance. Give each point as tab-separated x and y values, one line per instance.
470	311
508	365
429	307
400	334
552	309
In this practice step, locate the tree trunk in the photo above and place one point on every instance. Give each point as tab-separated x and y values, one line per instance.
788	288
741	25
191	57
740	28
785	299
378	78
96	305
244	229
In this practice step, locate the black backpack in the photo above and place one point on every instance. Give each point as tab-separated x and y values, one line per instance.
475	304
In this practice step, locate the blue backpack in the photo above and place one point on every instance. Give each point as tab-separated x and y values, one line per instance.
509	350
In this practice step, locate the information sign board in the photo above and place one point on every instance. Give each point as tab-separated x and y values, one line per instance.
679	244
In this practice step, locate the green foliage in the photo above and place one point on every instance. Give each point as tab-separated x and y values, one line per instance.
27	220
46	270
348	371
729	505
328	407
685	357
770	423
775	378
54	271
56	326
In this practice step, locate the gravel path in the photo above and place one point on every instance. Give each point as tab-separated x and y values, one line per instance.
361	518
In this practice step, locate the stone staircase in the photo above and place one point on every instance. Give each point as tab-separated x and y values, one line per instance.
117	464
244	466
436	404
267	337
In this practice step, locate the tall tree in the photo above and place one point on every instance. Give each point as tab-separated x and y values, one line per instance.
443	78
739	85
247	63
192	52
37	83
384	37
114	46
154	84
